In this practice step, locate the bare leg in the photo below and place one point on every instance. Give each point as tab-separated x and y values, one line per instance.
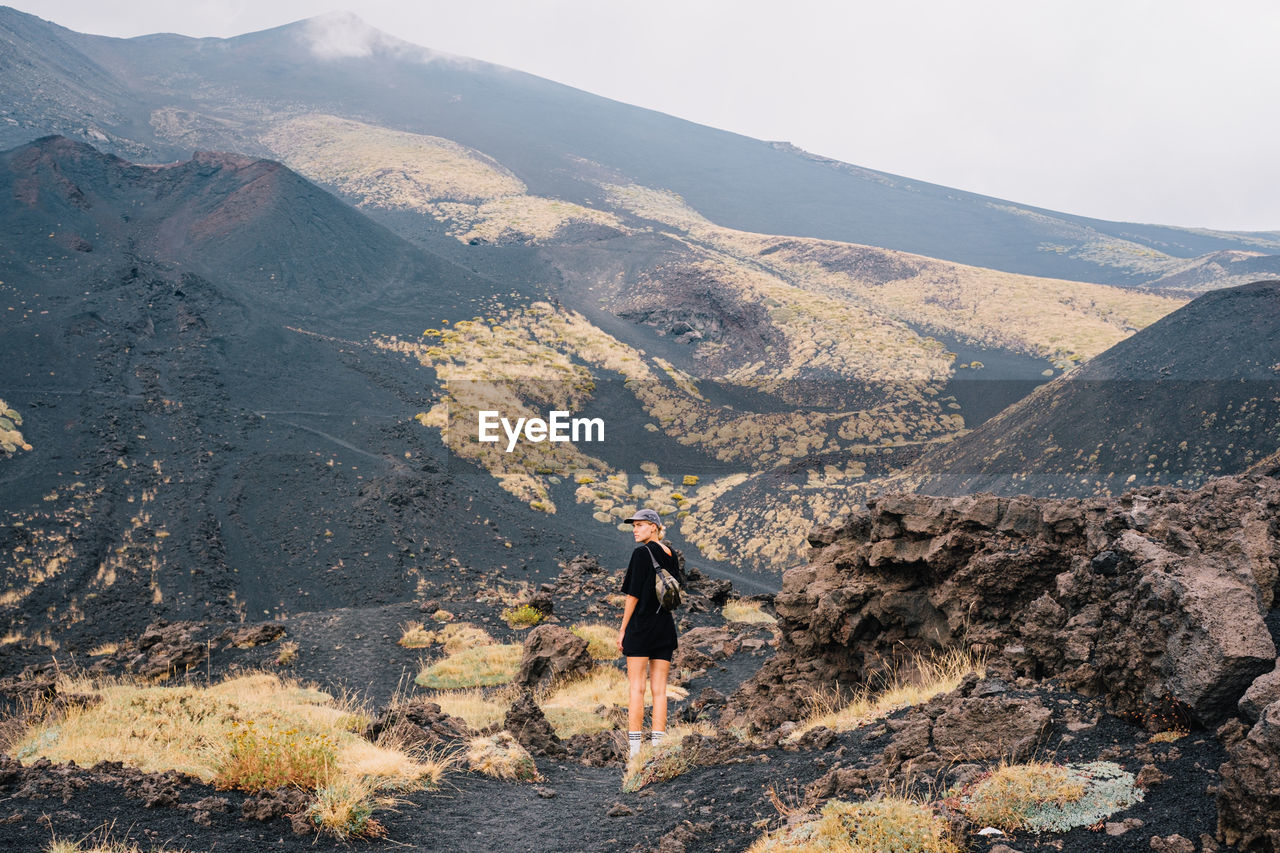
658	671
637	671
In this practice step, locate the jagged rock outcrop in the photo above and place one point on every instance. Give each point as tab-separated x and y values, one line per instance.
1264	690
1154	598
1249	796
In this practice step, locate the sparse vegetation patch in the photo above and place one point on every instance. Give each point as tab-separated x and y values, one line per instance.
914	682
1040	797
473	667
891	824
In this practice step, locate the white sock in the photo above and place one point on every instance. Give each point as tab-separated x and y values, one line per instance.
656	737
634	740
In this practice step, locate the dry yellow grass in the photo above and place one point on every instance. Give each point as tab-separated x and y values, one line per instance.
11	440
602	639
287	654
578	706
891	824
344	809
216	732
101	841
414	636
1011	792
478	708
915	682
479	666
1064	320
667	760
741	610
457	636
388	168
571	707
452	183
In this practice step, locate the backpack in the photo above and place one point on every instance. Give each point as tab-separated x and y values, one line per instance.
667	586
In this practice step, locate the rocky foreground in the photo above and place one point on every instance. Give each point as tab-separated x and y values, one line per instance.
1157	602
1135	634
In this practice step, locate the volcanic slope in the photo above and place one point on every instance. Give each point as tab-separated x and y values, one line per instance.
157	97
1193	396
206	427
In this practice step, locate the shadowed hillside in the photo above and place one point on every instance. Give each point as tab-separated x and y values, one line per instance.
1195	395
209	429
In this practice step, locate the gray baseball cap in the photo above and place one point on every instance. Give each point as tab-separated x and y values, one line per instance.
644	515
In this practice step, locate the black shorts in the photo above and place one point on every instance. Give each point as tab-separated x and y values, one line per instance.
663	653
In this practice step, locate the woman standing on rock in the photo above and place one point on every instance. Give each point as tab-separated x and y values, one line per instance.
648	633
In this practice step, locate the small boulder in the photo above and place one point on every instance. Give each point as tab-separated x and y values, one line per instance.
525	720
991	727
550	653
417	723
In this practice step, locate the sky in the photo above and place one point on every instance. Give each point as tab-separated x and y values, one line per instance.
1158	111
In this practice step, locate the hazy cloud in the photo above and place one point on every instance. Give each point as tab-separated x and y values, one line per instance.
343	35
1143	110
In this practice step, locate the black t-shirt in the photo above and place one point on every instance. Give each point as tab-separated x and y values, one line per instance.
650	628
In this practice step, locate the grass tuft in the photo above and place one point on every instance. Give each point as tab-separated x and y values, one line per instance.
742	610
414	636
344	809
481	666
248	732
260	758
287	654
602	639
502	757
1038	796
524	616
891	824
1008	796
913	683
669	759
478	708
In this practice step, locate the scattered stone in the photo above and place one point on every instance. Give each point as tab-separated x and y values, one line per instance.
684	834
600	749
1150	776
1172	844
541	602
274	804
166	649
202	811
620	810
1122	826
988	727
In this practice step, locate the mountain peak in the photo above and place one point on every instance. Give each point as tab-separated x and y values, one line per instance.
345	35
